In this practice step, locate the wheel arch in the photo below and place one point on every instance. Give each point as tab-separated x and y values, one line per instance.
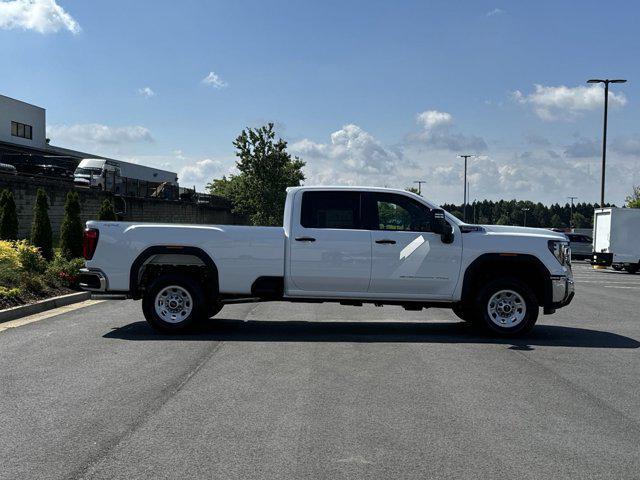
164	254
525	267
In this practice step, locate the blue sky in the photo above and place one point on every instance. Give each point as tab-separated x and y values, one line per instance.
367	92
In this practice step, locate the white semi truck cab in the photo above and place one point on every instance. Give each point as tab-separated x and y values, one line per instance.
337	244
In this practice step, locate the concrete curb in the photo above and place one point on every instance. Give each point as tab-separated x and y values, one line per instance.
42	306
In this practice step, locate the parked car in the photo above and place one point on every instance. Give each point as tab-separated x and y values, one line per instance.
7	168
337	244
581	246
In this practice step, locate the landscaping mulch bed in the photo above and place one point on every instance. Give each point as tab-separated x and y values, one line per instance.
30	297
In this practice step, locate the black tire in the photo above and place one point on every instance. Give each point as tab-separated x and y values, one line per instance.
529	306
617	267
633	269
214	309
195	308
464	313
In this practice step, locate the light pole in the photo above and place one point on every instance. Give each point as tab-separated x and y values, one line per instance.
474	210
604	133
571	210
464	204
525	210
420	182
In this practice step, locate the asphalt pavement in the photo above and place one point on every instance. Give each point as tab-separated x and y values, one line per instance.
278	390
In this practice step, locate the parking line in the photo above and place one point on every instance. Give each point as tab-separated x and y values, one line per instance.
48	314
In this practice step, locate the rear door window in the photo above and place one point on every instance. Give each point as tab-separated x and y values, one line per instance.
331	209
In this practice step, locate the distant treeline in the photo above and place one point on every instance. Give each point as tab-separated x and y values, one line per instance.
511	212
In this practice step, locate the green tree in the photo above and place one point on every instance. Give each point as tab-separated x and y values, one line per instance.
579	221
413	190
8	216
72	228
41	235
633	200
556	221
266	170
107	213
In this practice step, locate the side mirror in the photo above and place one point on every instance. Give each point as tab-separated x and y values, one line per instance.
441	226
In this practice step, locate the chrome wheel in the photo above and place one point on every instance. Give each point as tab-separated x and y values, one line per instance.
506	308
173	304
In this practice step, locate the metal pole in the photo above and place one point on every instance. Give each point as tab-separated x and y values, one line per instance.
464	205
604	140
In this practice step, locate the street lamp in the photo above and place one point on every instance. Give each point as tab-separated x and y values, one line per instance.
464	204
525	210
571	210
604	134
420	182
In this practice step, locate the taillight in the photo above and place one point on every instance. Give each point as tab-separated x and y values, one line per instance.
90	242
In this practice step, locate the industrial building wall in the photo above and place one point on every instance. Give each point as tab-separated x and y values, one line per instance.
137	209
16	111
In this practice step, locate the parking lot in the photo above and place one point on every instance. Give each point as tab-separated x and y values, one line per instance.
277	390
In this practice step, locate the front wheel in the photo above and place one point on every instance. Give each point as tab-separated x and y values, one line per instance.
507	306
173	302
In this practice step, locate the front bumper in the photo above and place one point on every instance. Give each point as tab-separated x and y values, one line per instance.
562	293
93	280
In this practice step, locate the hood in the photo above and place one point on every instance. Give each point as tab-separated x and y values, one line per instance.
523	232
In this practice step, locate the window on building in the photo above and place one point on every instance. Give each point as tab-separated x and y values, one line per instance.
22	130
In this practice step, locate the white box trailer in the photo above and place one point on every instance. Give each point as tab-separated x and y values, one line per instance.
95	171
616	238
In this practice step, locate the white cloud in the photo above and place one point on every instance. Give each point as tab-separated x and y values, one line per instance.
200	173
495	11
436	133
43	16
352	156
433	119
565	103
97	134
146	92
213	80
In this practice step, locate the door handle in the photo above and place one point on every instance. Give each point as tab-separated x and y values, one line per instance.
386	242
305	239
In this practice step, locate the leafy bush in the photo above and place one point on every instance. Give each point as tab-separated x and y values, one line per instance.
31	261
9	264
72	228
63	271
8	216
107	213
41	234
9	292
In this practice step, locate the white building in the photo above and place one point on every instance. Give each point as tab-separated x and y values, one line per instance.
22	123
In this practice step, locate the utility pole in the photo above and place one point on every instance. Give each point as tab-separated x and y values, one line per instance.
571	210
525	210
604	131
464	204
420	182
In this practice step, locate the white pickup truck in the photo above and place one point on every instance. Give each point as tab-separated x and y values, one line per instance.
338	244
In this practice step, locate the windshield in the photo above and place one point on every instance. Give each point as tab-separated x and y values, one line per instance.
88	171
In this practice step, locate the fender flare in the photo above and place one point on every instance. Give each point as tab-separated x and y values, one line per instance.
512	259
175	250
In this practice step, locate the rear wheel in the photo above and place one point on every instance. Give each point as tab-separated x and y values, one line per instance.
506	306
632	268
173	302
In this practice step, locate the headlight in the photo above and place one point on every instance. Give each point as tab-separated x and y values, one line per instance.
561	250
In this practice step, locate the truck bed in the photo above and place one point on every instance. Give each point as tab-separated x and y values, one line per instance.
241	253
